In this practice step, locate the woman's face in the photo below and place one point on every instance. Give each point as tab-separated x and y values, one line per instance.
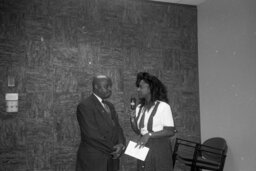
143	90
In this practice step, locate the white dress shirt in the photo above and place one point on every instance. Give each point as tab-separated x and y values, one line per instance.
163	117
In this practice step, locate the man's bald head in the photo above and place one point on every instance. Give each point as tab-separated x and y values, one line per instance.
99	78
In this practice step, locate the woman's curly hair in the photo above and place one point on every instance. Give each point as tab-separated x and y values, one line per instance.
157	88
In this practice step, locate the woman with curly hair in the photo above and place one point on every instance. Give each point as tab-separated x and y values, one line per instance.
153	121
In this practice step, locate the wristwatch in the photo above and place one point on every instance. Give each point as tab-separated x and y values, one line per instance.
150	134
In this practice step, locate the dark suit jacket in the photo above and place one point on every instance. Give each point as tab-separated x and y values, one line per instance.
99	133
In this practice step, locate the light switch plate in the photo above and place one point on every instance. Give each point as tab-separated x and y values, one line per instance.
12	106
11	96
11	102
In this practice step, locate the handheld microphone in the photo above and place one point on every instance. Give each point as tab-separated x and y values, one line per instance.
133	103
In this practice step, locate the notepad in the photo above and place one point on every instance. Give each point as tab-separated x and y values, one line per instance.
136	152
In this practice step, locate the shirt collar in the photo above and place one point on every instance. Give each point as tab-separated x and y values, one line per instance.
100	99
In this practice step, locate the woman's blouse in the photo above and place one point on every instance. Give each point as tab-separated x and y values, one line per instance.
163	117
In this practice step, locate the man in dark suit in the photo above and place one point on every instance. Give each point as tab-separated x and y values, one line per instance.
102	138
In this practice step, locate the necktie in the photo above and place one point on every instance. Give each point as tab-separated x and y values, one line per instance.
108	111
105	106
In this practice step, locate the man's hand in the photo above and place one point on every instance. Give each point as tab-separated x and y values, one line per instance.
118	150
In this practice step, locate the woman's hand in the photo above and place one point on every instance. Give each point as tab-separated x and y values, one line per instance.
132	113
142	141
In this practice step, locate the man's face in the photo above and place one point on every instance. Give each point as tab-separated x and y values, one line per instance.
103	88
143	90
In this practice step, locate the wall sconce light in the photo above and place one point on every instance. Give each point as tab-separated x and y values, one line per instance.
10	77
11	81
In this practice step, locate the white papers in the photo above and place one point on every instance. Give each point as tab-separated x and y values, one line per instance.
136	152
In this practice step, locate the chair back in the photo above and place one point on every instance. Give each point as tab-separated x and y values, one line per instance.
214	148
184	151
209	155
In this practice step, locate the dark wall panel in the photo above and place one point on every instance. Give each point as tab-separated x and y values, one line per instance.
53	48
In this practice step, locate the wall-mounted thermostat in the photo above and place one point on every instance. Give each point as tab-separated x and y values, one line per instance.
11	102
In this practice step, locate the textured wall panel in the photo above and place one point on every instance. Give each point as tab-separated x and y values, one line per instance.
54	47
63	55
38	54
39	80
